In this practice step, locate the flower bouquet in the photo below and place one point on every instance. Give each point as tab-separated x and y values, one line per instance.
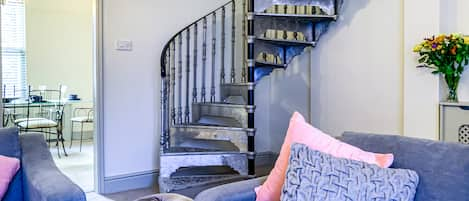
446	55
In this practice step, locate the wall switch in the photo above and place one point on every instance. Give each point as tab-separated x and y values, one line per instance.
124	45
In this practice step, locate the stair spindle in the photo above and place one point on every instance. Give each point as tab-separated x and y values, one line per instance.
204	60
194	90
214	53
173	82
179	115
244	66
164	106
188	70
233	40
222	53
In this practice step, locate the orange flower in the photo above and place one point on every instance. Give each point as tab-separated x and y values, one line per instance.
440	38
453	50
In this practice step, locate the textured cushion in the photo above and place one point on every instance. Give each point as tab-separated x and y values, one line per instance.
443	168
25	119
314	176
37	123
300	131
8	168
10	147
82	119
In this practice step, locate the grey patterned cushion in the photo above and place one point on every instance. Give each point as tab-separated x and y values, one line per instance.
315	176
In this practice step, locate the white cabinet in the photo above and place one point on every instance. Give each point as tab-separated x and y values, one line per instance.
454	122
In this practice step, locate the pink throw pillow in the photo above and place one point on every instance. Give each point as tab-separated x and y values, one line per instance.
301	132
8	168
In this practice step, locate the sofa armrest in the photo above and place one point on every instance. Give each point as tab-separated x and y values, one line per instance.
42	180
239	191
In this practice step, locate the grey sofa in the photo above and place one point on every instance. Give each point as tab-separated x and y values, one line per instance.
443	168
38	178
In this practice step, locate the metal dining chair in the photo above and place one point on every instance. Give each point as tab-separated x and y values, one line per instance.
10	111
49	116
81	116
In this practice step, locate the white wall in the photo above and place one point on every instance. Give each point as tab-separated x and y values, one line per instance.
132	79
59	45
462	26
59	50
421	88
363	71
356	70
289	92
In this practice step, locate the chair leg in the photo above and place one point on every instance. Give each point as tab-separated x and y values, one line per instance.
59	133
81	136
48	136
57	144
71	136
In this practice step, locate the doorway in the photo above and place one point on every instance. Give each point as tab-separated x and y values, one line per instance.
51	43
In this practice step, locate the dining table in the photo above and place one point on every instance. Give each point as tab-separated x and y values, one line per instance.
18	107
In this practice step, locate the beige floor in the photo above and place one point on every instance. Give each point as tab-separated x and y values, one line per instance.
78	166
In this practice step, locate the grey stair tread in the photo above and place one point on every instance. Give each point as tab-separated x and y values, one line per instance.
201	126
219	121
239	84
184	151
211	145
222	104
204	171
196	184
235	100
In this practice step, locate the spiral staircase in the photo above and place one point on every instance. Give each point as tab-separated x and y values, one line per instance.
209	71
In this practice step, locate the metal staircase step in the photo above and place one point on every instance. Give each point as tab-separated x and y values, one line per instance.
235	100
221	114
174	162
235	93
237	136
189	170
209	145
219	121
193	183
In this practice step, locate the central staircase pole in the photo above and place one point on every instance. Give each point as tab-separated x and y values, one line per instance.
251	79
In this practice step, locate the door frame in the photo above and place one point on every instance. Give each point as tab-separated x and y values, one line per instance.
99	173
98	168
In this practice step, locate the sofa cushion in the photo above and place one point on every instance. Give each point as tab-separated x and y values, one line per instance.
316	176
299	131
8	168
10	146
442	167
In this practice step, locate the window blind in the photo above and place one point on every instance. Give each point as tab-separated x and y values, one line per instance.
13	48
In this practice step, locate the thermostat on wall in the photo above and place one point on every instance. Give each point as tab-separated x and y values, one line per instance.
124	45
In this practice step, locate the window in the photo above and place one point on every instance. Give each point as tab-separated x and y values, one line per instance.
13	48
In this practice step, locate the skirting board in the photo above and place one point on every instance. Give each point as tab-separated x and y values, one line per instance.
147	179
128	182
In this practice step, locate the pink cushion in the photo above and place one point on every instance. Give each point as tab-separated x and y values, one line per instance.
8	168
301	132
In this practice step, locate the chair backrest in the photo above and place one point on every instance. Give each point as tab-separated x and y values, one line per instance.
49	103
83	112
